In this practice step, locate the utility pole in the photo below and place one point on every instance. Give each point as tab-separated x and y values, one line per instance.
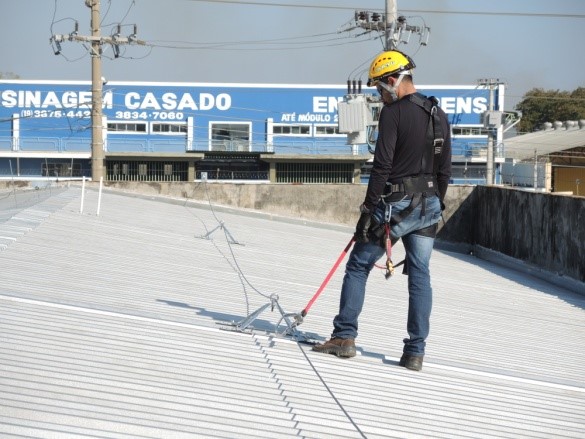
535	176
97	41
97	141
492	120
391	43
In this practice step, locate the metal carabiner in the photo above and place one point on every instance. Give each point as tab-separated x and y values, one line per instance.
389	269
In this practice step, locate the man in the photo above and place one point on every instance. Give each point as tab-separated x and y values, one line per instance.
404	200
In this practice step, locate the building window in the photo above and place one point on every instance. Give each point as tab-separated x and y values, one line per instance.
127	127
459	130
233	136
169	128
327	130
291	130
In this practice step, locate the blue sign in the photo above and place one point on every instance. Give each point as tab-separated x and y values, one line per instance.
61	110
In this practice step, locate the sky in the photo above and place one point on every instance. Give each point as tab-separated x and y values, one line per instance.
525	44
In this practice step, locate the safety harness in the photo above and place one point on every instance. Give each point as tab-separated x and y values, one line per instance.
420	186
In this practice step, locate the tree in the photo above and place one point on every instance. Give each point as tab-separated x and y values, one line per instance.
539	106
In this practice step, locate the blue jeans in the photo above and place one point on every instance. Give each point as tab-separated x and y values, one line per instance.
418	253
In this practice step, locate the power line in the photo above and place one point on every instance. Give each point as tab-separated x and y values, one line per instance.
340	41
280	5
285	40
302	41
551	98
347	8
500	14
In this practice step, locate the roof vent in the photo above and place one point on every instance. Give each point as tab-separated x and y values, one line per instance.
581	123
570	124
547	126
557	124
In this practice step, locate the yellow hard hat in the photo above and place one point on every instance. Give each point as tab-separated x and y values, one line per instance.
389	63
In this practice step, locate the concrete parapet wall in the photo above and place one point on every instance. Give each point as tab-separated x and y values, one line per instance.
542	229
330	203
326	203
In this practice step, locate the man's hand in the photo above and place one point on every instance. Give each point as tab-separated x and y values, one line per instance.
363	225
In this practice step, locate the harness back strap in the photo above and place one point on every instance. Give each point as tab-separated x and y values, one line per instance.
435	137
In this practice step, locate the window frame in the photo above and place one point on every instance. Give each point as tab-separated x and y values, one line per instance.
291	125
127	122
325	125
183	126
213	125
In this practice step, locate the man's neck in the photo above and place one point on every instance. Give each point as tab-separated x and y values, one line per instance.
405	90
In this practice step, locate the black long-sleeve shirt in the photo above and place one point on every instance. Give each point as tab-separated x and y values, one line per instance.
402	139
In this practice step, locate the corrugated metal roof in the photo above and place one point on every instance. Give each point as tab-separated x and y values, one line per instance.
543	142
117	326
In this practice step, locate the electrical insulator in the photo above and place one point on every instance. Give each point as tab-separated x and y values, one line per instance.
56	46
132	38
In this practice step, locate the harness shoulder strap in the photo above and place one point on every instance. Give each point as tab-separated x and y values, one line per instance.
435	138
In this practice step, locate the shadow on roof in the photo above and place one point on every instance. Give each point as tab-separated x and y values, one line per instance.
517	272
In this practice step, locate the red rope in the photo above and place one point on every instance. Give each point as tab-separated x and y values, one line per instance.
329	275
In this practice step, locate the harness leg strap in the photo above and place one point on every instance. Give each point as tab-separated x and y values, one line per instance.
430	231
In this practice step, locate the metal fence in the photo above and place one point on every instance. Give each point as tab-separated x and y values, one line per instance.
232	175
314	172
146	171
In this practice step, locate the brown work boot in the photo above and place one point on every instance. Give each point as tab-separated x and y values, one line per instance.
342	347
412	362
